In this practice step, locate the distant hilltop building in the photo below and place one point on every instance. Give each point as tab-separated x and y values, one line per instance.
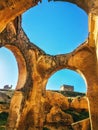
67	88
7	87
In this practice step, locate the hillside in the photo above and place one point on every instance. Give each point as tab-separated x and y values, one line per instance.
58	107
70	93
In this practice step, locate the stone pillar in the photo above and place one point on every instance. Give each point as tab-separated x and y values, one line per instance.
84	61
93	82
92	94
93	31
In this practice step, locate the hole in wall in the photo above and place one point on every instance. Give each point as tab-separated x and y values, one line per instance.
56	27
8	68
66	77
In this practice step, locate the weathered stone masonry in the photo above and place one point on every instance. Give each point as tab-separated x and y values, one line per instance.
35	66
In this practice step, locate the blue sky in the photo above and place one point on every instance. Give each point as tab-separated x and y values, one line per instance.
8	68
57	28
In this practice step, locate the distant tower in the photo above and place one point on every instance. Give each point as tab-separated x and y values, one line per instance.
67	88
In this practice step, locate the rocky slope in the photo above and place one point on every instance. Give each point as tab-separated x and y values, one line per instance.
58	109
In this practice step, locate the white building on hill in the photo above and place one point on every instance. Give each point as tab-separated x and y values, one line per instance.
67	88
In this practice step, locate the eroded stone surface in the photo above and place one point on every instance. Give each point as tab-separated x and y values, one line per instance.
56	106
38	67
55	110
10	9
35	66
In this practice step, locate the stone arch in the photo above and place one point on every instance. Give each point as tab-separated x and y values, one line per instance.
82	75
75	74
22	72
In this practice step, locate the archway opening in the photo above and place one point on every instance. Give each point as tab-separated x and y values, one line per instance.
66	90
22	70
66	77
56	27
8	69
12	76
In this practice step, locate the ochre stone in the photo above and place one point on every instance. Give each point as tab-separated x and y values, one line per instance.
80	103
55	109
35	66
10	9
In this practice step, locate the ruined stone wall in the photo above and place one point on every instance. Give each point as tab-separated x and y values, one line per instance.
35	66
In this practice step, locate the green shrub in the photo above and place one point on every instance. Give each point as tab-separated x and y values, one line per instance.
2	128
77	116
3	118
45	128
